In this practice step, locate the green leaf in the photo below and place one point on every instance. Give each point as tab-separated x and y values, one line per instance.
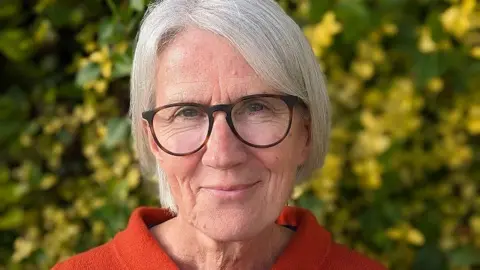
12	193
428	223
318	8
110	31
9	8
309	201
16	44
4	174
9	129
106	30
118	129
355	19
137	5
372	221
433	22
88	73
122	66
465	256
430	257
426	67
12	219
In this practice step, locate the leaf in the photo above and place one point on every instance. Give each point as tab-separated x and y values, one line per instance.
12	219
309	201
433	22
137	5
465	256
9	8
16	44
355	19
106	30
118	129
110	31
318	8
69	91
88	73
12	193
9	129
430	257
372	221
122	66
428	222
425	68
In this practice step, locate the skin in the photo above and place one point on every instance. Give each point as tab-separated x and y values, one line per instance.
210	231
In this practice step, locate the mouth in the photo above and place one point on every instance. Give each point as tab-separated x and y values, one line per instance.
231	191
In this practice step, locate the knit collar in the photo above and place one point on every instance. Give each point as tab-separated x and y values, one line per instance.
137	248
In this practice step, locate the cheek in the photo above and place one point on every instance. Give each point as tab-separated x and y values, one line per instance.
282	157
179	171
282	170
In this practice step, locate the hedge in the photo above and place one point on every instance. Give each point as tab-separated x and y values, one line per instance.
400	182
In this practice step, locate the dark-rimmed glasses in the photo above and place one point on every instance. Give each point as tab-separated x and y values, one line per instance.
260	121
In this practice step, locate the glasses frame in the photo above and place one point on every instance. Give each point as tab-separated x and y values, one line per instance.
289	100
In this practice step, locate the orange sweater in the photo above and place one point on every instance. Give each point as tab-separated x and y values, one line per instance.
311	247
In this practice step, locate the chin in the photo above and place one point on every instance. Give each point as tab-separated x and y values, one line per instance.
230	224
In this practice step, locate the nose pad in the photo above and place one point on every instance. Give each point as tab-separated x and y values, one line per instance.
223	149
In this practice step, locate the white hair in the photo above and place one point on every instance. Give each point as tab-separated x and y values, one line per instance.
269	40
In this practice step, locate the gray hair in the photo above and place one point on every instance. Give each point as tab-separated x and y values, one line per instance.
269	40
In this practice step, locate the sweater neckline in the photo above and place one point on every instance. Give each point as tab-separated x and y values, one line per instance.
137	248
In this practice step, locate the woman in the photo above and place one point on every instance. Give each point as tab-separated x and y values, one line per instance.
229	109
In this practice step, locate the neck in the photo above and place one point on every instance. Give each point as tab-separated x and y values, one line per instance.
191	249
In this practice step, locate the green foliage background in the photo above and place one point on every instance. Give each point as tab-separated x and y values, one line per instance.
400	182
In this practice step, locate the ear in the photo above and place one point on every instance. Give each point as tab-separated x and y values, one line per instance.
305	137
156	151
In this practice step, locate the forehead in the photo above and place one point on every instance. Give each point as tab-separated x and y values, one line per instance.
203	67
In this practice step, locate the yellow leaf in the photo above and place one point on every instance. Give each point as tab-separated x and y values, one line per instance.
415	237
475	224
425	42
26	140
100	86
133	178
23	249
98	57
435	85
473	120
364	69
475	52
121	47
390	29
395	233
48	181
106	69
90	46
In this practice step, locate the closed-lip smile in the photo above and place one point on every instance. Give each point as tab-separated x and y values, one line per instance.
231	187
231	191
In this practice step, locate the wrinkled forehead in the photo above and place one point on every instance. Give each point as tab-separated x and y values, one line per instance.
199	66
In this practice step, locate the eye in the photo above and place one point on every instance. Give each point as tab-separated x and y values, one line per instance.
188	112
255	107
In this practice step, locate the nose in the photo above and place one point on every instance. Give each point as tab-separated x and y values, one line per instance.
223	149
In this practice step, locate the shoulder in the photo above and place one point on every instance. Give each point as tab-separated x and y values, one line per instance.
341	257
101	257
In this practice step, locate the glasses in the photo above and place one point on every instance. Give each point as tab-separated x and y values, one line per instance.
259	121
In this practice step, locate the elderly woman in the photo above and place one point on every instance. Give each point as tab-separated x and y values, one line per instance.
229	110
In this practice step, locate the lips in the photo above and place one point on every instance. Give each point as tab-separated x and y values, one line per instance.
231	192
231	187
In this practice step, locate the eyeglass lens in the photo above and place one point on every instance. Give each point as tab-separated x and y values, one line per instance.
259	121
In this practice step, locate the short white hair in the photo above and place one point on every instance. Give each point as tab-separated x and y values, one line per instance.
269	40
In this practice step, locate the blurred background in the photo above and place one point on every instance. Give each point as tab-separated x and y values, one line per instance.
401	180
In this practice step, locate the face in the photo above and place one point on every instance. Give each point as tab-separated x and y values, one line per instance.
229	191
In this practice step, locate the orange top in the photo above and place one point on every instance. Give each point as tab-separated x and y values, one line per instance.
311	247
